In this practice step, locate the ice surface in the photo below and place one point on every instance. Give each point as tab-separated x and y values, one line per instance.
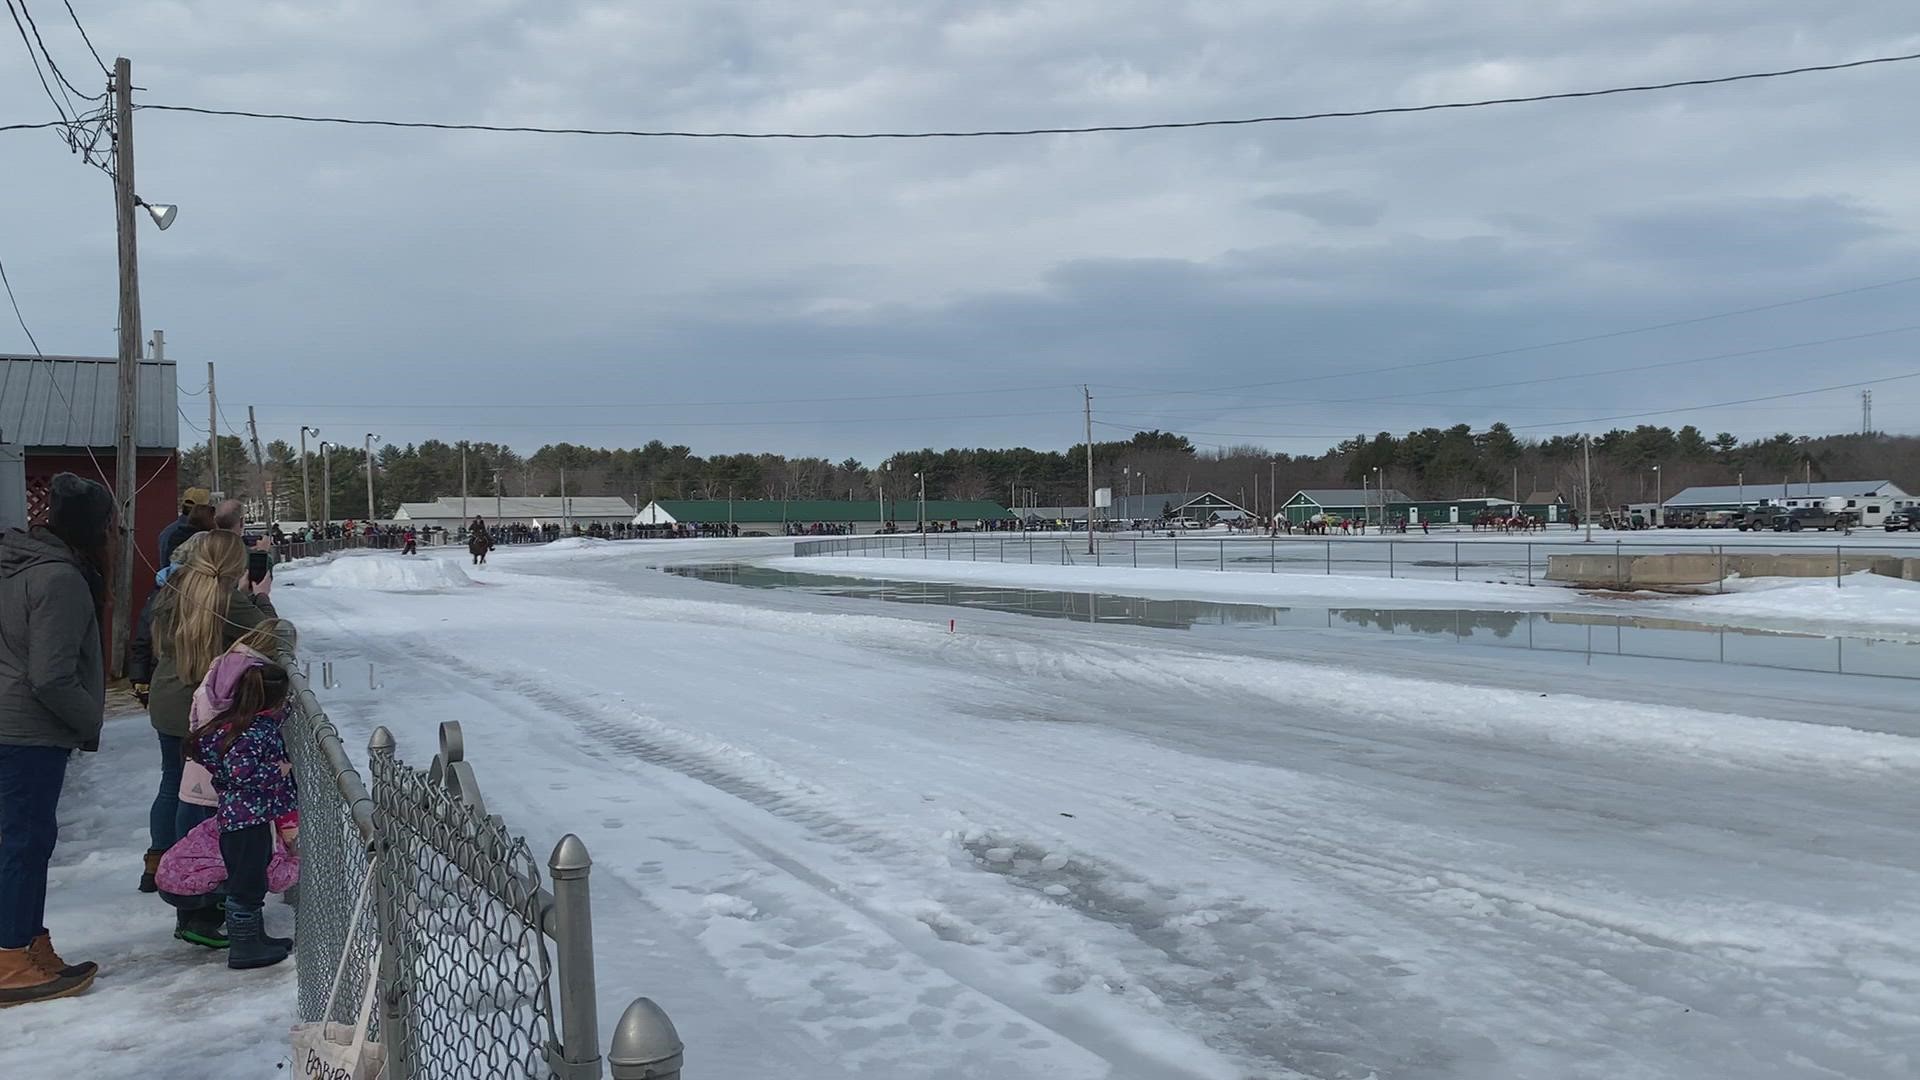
384	571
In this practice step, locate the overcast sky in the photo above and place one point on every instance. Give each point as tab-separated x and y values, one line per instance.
528	289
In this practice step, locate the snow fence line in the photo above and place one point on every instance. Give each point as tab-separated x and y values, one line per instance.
471	956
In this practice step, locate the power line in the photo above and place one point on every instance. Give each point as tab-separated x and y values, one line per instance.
1341	114
104	70
16	313
667	404
1518	349
58	74
34	58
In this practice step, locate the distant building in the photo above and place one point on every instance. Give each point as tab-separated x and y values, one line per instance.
1339	503
59	414
581	510
1871	500
773	516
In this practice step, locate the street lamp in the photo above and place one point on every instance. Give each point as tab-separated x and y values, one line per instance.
922	477
162	213
306	488
371	439
1659	511
1380	492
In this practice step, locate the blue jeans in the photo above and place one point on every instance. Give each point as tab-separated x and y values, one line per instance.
189	817
162	828
30	781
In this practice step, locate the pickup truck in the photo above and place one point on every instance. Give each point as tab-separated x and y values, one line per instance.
1812	517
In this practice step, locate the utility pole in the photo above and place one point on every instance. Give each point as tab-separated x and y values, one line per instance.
129	360
496	496
213	431
563	495
1087	394
306	487
463	483
1866	412
326	482
1586	453
370	440
259	464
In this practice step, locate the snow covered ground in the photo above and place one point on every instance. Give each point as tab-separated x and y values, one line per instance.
1864	601
160	1008
835	840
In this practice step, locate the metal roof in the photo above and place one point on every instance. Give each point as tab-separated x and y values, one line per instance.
671	511
1349	496
73	401
512	508
1708	495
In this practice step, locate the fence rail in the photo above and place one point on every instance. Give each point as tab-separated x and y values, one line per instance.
482	970
1518	562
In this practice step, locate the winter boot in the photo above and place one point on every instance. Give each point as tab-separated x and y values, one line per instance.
251	948
147	883
23	981
201	926
41	950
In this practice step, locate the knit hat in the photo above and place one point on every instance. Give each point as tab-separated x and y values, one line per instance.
79	511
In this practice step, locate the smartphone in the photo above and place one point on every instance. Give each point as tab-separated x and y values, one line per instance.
259	565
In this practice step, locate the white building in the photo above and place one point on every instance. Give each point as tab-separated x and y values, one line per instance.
452	513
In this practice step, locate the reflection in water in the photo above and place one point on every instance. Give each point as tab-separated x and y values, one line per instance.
1572	632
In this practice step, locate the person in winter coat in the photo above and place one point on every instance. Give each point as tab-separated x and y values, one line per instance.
205	607
53	588
196	516
479	542
245	753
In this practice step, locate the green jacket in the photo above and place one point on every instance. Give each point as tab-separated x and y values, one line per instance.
170	695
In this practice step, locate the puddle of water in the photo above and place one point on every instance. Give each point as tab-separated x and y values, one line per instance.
1543	631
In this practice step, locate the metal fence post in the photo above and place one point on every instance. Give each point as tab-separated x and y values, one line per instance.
1223	555
1619	571
578	1055
1720	586
1273	555
1133	546
394	1031
1456	560
1329	558
645	1044
1176	552
1389	558
1529	564
1837	567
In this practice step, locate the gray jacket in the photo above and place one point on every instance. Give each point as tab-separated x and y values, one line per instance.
52	685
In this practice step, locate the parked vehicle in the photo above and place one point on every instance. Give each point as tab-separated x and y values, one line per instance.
1755	519
1812	517
1907	520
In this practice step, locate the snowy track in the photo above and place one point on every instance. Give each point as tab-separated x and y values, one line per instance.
835	840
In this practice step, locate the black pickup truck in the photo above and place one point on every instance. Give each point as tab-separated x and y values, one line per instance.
1812	517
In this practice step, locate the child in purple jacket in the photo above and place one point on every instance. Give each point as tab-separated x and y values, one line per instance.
244	751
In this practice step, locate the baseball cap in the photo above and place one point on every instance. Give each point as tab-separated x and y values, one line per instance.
196	497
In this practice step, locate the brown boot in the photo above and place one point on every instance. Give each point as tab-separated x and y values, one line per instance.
41	950
147	884
22	981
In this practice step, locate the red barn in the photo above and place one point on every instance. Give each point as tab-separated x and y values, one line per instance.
58	415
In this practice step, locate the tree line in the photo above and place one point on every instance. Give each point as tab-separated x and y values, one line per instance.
1431	463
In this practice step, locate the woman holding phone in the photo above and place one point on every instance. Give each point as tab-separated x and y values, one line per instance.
209	602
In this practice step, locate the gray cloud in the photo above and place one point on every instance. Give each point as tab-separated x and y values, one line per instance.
328	270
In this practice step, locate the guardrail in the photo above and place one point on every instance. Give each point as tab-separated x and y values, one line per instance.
471	944
1518	562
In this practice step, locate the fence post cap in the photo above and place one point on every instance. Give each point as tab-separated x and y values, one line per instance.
645	1043
453	745
381	741
570	858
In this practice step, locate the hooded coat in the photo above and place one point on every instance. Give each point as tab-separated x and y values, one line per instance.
213	697
52	683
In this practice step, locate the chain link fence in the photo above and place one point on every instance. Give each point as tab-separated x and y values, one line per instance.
482	972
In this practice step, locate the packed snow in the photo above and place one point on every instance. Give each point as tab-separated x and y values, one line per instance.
849	842
160	1008
834	839
382	571
1865	600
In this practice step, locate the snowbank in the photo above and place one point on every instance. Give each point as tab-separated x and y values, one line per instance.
1283	588
382	572
1865	600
